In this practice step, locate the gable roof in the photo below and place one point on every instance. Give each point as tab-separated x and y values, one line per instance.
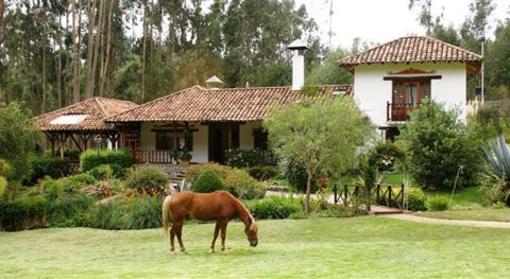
234	104
412	49
89	115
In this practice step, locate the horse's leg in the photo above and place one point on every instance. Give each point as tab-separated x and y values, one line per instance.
224	224
216	231
172	237
178	224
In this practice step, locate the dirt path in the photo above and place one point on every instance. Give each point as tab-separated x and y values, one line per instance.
426	220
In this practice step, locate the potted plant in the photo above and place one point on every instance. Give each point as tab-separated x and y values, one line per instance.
184	156
175	155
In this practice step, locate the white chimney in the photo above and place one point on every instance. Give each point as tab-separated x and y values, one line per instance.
298	64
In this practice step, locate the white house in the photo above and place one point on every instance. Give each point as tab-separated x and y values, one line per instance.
389	81
393	78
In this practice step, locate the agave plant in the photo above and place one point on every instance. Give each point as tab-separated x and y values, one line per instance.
497	156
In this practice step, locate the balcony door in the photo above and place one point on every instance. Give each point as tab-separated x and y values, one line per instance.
408	94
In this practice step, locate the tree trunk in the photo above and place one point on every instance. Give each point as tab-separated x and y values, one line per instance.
309	181
44	47
105	60
59	67
77	49
91	7
2	10
98	43
144	48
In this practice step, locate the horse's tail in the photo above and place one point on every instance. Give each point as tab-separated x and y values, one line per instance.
168	217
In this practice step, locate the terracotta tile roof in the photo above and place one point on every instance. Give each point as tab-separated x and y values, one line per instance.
413	49
97	110
235	104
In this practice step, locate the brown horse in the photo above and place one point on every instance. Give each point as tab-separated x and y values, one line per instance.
220	206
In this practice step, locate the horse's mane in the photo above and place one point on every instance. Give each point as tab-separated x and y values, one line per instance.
242	207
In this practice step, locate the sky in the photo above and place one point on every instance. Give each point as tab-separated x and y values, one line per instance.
378	21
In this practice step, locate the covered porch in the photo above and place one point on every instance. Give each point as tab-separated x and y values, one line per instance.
156	142
82	125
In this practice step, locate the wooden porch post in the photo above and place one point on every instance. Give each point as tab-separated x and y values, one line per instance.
229	136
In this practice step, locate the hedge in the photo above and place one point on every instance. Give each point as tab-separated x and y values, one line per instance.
94	158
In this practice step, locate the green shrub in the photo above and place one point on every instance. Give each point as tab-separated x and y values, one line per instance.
102	172
237	181
52	189
72	184
248	158
93	158
438	203
339	211
5	168
437	144
47	165
297	177
416	200
72	154
131	213
275	207
263	173
69	211
240	184
496	186
26	212
18	138
194	171
208	182
147	178
387	153
3	186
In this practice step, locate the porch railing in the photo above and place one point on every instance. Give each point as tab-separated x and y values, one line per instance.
399	111
153	156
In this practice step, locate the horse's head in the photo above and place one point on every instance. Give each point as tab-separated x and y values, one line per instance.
251	232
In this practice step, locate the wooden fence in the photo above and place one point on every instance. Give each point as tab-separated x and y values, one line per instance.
385	195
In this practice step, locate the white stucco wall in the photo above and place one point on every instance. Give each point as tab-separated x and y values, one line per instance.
372	92
200	151
246	140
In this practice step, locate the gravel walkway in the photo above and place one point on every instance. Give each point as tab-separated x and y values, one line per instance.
426	220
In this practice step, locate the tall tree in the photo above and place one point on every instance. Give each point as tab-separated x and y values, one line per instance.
91	15
425	17
76	11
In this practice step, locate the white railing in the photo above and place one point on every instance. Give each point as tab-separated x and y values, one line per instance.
155	156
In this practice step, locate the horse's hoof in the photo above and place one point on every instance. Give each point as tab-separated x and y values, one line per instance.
212	251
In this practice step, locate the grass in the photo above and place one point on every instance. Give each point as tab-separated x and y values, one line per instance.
353	247
466	198
480	214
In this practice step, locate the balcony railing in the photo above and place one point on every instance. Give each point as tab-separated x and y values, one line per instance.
399	111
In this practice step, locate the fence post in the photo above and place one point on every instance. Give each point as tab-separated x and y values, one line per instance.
377	193
345	194
390	191
403	194
335	193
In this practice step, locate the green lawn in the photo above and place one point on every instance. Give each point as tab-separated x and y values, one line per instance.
479	214
314	248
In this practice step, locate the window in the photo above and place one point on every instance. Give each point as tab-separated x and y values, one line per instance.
260	139
410	92
165	140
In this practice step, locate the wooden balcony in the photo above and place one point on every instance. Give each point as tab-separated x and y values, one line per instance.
399	111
